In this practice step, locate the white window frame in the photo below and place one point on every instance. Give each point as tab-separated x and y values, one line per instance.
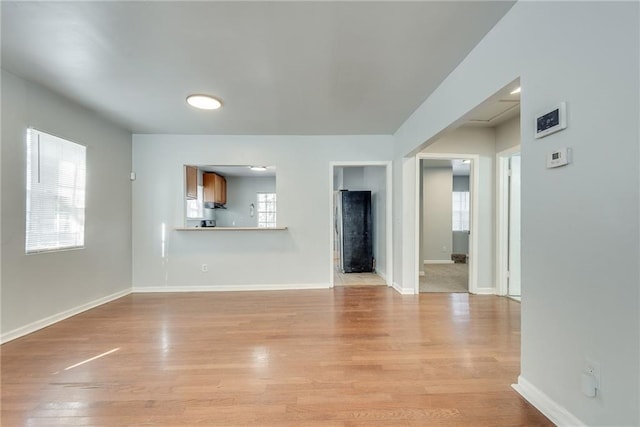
461	214
195	207
55	193
263	210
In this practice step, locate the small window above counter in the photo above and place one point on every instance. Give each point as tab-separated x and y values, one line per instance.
230	197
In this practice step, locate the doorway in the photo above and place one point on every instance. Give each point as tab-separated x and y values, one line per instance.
509	230
446	215
445	225
358	177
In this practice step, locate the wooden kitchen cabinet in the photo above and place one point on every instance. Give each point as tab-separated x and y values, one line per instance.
215	188
191	174
220	188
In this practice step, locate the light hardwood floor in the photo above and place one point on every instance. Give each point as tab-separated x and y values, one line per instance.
351	356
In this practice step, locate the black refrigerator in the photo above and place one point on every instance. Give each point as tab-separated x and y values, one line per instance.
354	229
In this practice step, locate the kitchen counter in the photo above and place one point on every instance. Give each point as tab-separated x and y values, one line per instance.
229	228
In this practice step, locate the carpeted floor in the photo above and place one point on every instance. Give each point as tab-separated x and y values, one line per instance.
445	278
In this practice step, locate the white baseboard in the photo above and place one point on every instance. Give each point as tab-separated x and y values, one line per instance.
484	291
231	288
550	408
47	321
402	291
396	287
438	261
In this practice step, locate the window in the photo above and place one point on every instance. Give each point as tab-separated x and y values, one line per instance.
460	211
266	210
195	208
56	170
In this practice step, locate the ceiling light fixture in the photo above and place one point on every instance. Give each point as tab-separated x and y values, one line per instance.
466	161
204	102
517	90
258	168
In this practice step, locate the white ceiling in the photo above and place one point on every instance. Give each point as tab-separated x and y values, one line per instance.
280	67
493	112
239	171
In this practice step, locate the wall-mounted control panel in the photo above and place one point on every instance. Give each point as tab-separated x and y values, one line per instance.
554	120
558	158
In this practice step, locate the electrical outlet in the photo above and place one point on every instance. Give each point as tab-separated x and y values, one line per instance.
205	268
592	368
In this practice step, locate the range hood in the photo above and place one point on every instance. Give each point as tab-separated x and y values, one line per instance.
212	205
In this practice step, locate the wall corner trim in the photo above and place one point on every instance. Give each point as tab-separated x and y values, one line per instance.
550	408
48	321
403	291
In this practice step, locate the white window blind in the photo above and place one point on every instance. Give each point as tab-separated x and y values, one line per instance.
460	211
56	176
266	210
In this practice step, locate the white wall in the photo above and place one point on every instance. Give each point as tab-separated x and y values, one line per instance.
297	257
573	306
437	183
508	134
38	288
480	141
242	192
460	183
353	178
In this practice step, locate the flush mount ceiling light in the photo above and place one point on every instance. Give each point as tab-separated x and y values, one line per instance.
204	102
258	168
517	90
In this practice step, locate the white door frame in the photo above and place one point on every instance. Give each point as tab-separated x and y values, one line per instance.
502	218
388	165
474	184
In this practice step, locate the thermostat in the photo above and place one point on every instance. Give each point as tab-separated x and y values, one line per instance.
558	158
552	121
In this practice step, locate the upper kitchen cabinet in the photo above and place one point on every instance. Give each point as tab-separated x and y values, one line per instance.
215	188
191	179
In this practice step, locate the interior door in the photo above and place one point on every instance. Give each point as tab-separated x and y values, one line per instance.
514	286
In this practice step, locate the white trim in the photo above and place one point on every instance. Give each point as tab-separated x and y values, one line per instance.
550	408
50	320
409	213
438	261
474	185
388	165
383	277
502	222
231	288
401	290
484	291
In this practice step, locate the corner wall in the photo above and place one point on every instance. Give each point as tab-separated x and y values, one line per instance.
573	306
40	289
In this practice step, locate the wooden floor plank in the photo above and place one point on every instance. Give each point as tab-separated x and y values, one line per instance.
351	356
